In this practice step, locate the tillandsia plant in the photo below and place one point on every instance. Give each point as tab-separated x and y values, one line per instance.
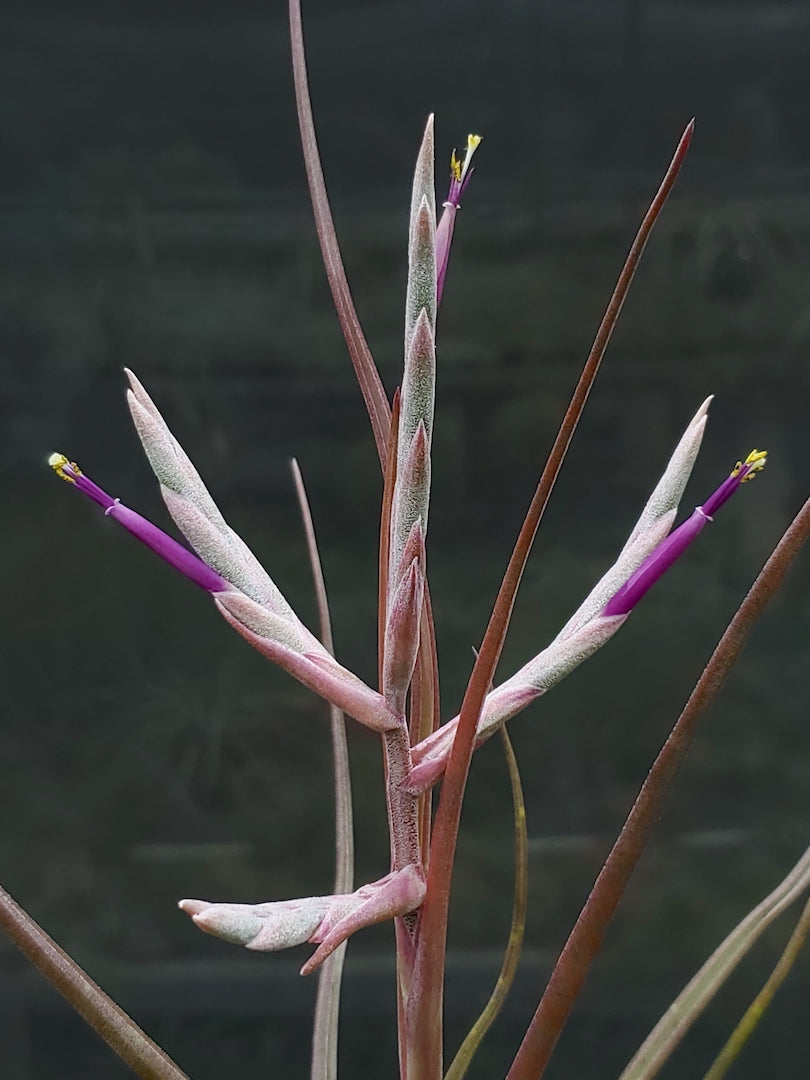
419	750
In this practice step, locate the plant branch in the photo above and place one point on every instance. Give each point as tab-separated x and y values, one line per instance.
107	1019
327	1002
659	1045
461	1062
586	937
365	369
755	1011
368	378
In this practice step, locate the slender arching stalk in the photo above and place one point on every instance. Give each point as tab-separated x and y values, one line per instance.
107	1019
586	937
327	1003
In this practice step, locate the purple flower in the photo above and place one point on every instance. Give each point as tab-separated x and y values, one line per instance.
660	560
460	176
160	542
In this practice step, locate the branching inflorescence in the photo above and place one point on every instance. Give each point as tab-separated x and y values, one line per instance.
251	602
417	751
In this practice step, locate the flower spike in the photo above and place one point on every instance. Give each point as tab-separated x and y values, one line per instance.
592	626
285	641
142	529
587	630
660	560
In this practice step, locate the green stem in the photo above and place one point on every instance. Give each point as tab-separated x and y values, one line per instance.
461	1062
757	1008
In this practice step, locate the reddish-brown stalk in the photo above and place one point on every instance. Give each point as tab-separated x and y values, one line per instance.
108	1020
586	937
371	387
425	1006
365	369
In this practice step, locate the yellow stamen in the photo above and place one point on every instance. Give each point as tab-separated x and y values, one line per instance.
755	460
58	462
458	169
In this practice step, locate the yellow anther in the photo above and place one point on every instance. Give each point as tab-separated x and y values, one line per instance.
458	169
58	462
755	461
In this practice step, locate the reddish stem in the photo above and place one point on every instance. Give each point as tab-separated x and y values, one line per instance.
586	937
120	1031
425	1018
365	369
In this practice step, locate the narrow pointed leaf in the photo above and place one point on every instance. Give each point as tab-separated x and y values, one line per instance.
107	1019
586	937
466	1052
762	1001
325	1027
365	369
694	998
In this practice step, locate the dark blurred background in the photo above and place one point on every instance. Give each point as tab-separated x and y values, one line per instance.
154	214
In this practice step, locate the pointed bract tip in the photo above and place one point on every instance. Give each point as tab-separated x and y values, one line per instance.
133	379
192	907
703	411
136	394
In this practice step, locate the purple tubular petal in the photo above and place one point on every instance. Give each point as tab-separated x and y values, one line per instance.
444	237
87	487
160	542
660	560
725	491
464	183
168	548
454	194
460	176
656	564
